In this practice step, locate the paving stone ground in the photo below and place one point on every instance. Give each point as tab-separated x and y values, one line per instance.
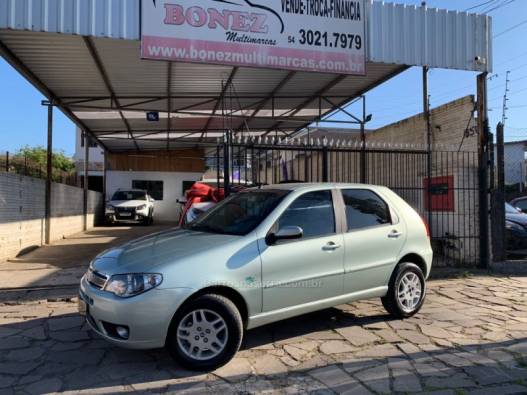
469	338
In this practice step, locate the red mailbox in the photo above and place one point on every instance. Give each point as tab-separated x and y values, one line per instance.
441	192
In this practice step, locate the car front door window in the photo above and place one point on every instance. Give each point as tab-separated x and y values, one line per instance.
313	212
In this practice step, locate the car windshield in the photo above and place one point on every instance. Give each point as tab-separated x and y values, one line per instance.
509	209
129	195
240	213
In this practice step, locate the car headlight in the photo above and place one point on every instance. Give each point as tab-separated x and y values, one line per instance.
110	208
141	207
127	285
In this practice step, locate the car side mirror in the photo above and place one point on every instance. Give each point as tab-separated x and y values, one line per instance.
285	233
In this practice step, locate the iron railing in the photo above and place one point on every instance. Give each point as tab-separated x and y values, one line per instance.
449	201
22	165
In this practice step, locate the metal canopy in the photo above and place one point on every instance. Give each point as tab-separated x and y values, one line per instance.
85	57
107	89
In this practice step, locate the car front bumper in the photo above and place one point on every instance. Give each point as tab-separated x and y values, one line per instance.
147	316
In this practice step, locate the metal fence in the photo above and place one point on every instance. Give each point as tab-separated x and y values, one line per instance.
446	195
22	165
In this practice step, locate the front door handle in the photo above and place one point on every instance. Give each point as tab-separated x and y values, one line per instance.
394	234
331	246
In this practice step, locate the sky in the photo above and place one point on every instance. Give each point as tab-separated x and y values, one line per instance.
24	119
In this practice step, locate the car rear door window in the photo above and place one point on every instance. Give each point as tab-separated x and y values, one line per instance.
364	209
313	212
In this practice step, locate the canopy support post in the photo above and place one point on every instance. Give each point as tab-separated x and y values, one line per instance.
86	181
49	173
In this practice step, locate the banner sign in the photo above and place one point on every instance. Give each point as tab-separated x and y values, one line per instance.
305	35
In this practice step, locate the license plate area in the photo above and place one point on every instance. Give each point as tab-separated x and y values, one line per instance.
128	215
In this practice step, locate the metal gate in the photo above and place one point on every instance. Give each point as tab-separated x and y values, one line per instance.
446	194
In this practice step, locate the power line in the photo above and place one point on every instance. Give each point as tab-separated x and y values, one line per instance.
511	28
480	5
511	59
518	67
490	9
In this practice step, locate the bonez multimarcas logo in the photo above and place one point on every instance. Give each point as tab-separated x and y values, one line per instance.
251	4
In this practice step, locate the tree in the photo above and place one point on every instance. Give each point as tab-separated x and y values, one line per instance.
37	157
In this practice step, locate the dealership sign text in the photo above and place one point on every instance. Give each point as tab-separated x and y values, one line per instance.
306	35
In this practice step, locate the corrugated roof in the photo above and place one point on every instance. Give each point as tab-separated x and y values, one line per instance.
94	66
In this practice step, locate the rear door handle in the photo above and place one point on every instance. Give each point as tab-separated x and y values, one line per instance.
331	246
394	234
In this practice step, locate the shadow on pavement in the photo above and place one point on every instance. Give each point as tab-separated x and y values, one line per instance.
61	354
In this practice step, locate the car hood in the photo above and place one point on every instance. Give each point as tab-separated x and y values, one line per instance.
127	203
144	254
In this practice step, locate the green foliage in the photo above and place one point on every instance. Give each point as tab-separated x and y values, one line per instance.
37	157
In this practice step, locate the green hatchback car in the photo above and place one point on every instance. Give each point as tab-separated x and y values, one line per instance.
259	256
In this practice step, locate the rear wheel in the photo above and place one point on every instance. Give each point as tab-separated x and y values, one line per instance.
206	333
406	292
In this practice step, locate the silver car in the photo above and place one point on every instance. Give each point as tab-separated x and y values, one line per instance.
260	256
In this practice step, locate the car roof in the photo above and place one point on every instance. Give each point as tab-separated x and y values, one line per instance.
316	185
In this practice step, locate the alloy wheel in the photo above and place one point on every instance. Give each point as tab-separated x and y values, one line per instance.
409	292
202	334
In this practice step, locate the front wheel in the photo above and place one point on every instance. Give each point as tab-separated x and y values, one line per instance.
406	292
206	333
149	220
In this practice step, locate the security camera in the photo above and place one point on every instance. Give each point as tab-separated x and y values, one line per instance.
480	61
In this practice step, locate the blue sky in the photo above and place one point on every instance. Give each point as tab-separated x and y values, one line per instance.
24	120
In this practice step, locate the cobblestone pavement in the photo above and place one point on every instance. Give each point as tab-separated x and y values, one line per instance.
470	338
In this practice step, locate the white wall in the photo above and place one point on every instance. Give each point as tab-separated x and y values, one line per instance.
96	156
166	210
22	207
96	153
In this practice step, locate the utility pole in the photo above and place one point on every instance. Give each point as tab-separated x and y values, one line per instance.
426	112
363	142
483	128
505	100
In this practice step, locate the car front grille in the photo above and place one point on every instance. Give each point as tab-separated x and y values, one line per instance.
125	209
96	279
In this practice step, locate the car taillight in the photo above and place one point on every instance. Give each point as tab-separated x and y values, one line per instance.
427	227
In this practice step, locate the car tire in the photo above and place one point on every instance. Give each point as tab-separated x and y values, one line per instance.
147	220
406	291
195	342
